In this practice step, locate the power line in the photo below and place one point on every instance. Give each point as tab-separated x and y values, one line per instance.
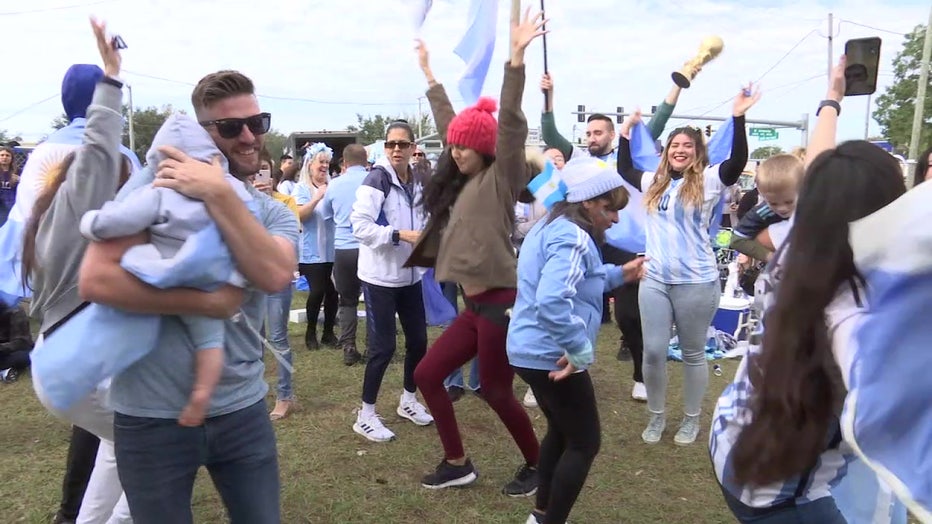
898	33
27	108
787	54
59	8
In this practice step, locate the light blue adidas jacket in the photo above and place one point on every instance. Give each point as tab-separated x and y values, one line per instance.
561	280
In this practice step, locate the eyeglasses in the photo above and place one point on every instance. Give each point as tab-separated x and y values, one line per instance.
401	144
418	154
232	127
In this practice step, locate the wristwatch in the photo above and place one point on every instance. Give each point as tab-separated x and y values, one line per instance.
396	237
115	82
829	103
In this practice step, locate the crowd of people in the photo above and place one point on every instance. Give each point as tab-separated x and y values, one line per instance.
534	284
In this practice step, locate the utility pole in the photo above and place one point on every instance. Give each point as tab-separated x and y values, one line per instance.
867	117
132	110
831	38
921	93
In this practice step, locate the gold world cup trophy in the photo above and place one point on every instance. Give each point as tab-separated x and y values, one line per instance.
710	48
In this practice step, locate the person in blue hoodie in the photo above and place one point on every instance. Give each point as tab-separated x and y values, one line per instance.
555	322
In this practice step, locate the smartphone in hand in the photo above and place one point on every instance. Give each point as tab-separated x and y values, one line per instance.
863	56
264	176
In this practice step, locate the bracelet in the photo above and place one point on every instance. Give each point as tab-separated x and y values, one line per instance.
112	81
829	103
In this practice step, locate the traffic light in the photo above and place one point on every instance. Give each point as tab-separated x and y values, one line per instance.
581	116
618	116
708	130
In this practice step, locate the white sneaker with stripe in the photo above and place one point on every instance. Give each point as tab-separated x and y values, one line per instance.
415	412
372	428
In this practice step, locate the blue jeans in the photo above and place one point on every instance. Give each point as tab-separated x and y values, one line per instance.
456	378
819	511
158	461
279	305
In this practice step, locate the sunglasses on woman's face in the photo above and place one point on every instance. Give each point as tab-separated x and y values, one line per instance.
232	127
419	154
401	144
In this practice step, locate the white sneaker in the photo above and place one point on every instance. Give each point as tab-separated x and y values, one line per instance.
415	412
530	400
639	392
689	430
372	428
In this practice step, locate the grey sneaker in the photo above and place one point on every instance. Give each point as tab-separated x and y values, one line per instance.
658	422
689	430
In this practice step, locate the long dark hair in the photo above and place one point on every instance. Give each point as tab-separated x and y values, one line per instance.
575	212
797	384
445	186
922	167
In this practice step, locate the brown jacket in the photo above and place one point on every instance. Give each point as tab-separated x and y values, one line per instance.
475	248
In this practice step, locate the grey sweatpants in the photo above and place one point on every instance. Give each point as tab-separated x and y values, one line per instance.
691	307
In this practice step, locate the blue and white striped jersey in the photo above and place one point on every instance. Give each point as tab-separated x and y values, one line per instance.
733	413
678	242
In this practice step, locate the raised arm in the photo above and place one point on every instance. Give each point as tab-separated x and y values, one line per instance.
548	125
440	104
663	113
625	163
823	138
512	125
730	170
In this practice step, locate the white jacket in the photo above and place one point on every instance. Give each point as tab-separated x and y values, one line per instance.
382	207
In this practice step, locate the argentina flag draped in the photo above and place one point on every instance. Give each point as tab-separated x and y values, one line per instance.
888	416
476	48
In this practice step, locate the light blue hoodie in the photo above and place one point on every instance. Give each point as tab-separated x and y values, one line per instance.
558	311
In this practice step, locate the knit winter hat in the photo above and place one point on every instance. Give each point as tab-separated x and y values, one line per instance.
77	89
586	178
475	127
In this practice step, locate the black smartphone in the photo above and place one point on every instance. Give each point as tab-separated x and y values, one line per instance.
117	42
863	56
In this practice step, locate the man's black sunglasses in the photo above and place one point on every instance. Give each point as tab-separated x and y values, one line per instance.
232	127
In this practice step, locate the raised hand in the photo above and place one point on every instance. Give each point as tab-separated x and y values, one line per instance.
423	55
632	120
524	32
838	84
546	83
110	56
747	97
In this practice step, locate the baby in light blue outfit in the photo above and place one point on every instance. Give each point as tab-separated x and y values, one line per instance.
175	223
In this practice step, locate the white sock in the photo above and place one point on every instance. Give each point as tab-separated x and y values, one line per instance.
408	396
367	410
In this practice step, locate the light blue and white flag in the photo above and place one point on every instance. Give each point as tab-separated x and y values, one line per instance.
476	48
548	187
420	9
888	416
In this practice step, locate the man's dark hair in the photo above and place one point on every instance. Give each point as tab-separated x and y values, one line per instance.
220	86
600	116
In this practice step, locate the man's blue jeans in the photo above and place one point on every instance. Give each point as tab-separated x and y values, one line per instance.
158	461
279	306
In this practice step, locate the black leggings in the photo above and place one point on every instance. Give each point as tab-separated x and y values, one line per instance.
322	291
627	310
82	452
572	440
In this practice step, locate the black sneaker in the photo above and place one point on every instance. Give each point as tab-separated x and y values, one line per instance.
624	353
448	476
330	340
524	483
310	341
455	393
351	356
9	375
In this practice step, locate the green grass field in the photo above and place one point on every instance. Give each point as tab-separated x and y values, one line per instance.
331	475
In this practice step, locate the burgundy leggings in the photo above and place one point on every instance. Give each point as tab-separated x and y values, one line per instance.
469	335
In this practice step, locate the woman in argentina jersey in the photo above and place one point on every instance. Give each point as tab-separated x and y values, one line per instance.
682	283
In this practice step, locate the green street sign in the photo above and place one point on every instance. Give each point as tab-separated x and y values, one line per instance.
764	133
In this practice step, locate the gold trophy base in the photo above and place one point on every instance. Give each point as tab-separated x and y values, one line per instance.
681	80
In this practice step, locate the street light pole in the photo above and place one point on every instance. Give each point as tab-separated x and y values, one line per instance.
132	133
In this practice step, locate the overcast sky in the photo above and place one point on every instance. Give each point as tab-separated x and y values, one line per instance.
316	63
